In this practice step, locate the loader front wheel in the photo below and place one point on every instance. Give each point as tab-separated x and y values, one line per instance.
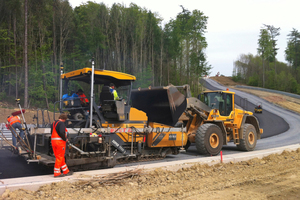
248	143
209	139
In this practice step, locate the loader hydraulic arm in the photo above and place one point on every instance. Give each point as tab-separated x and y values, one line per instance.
201	114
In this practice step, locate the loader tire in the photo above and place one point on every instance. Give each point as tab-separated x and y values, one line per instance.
250	138
209	139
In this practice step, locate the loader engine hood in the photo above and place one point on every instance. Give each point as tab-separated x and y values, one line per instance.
161	104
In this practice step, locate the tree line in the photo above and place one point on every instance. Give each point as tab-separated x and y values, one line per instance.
263	69
37	36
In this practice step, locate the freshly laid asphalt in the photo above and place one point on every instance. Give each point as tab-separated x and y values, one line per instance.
13	166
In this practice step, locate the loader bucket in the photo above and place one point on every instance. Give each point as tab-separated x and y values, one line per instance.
161	104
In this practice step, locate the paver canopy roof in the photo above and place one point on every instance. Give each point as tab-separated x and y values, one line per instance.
101	76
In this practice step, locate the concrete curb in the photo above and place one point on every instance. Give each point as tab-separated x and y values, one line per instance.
33	183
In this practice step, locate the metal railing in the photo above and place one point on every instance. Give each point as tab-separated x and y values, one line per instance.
7	134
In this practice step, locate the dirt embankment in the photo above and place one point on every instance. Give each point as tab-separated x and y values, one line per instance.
29	114
7	109
224	80
274	177
287	102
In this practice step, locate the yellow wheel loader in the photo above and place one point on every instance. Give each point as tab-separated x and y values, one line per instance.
210	121
216	121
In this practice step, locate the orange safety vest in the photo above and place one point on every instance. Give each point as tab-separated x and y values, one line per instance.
55	135
83	98
13	119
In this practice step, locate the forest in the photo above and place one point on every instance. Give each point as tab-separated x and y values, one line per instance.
38	36
263	69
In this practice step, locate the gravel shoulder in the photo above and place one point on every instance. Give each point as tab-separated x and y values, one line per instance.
276	176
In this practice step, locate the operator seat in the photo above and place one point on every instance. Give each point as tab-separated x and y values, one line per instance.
108	104
105	94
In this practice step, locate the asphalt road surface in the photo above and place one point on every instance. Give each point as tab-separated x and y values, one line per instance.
13	166
281	128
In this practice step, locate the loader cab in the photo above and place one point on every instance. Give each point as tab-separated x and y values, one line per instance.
105	107
220	100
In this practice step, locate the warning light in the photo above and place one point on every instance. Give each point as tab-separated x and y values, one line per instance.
227	89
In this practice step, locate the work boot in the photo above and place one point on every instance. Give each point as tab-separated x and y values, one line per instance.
59	176
69	173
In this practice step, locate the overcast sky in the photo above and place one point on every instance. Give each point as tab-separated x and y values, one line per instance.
233	25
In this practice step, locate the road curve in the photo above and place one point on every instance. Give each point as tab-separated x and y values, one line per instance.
285	121
271	123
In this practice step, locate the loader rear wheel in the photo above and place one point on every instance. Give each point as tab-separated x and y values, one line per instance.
250	138
209	139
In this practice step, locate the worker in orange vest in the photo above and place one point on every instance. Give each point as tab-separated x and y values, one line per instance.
14	121
83	100
58	141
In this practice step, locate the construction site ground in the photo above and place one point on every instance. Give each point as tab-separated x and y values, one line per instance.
276	176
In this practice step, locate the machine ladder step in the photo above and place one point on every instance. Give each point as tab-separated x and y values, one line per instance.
236	136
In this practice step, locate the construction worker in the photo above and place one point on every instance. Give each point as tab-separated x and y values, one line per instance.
215	103
83	100
15	123
58	141
113	91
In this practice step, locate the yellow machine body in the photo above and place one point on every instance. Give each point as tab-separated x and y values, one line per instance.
217	109
159	135
165	117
